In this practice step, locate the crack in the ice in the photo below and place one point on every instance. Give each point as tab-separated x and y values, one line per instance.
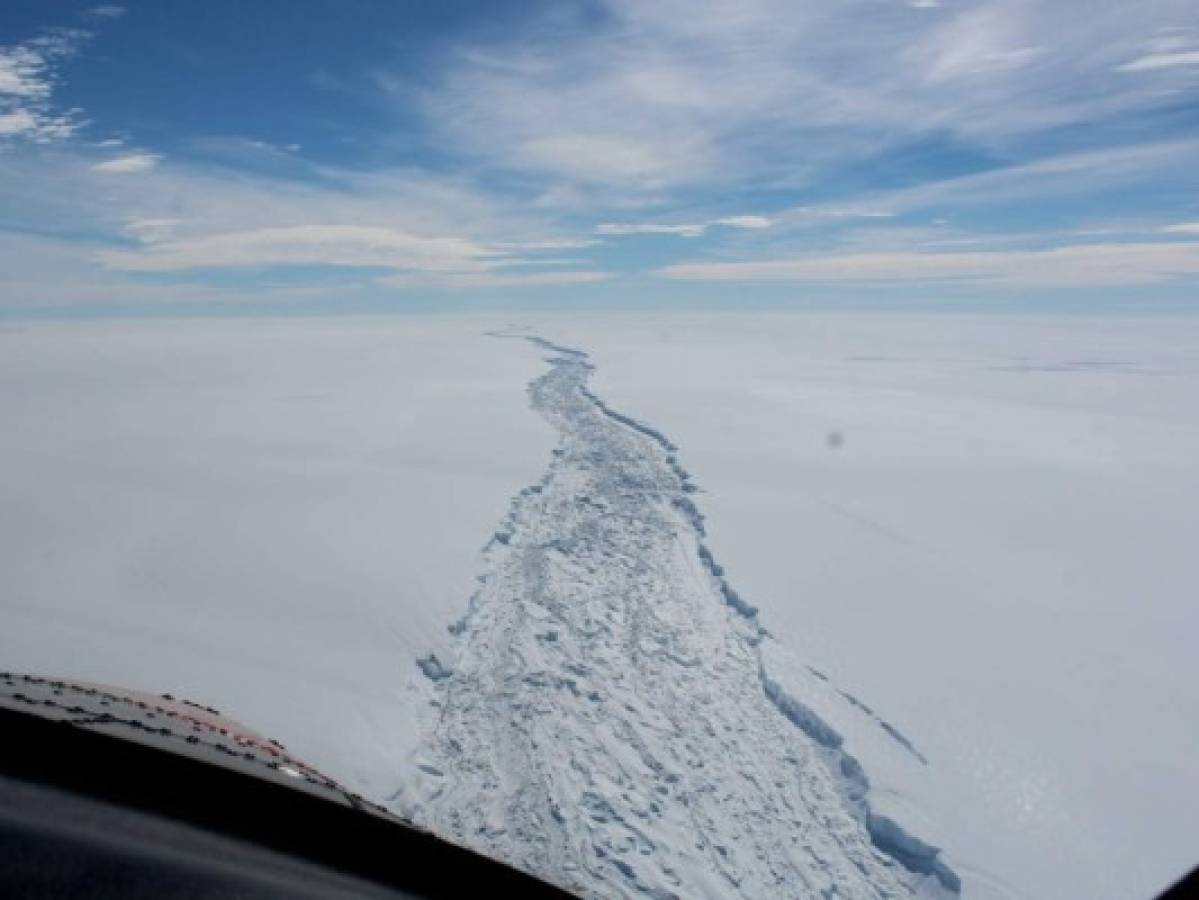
584	645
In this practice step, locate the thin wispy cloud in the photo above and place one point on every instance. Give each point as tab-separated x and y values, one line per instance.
1048	180
551	244
986	41
919	141
1161	61
838	212
151	231
29	75
406	259
1168	49
492	279
129	164
1085	265
332	245
686	229
672	93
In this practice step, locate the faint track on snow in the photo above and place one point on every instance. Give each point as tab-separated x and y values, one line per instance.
608	722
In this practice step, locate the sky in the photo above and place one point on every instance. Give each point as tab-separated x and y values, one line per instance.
364	155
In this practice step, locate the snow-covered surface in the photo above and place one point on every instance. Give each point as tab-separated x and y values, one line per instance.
272	517
997	557
608	721
971	539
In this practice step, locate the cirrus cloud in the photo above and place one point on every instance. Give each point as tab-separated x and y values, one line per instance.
412	260
328	245
686	229
476	280
129	164
1080	265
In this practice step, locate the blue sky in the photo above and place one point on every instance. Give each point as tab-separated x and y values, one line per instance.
369	155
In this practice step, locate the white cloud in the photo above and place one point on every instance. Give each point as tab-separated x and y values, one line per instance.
651	97
1047	178
987	40
23	73
26	260
60	185
130	164
1183	228
20	121
28	76
610	157
151	231
476	280
752	222
690	230
329	245
415	260
838	212
1161	61
536	261
552	244
1167	49
108	11
613	122
623	228
1083	265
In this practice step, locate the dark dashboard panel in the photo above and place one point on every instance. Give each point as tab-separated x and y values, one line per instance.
106	793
